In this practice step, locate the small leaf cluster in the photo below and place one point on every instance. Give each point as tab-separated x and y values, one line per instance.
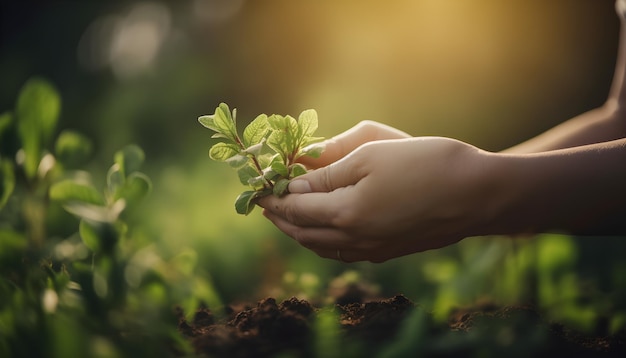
99	212
266	154
28	146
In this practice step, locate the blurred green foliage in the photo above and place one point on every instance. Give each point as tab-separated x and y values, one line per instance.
97	287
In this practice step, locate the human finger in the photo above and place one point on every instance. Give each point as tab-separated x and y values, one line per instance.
312	237
322	197
341	145
314	210
326	242
343	173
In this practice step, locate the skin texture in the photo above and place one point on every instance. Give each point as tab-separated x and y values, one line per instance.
568	179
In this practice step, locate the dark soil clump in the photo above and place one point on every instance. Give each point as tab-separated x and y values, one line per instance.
260	331
268	329
374	322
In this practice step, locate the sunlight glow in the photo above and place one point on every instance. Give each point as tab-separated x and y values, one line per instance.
216	11
128	44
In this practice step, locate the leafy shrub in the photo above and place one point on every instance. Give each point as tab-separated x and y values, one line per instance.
74	278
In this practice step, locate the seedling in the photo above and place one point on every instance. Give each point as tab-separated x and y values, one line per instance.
265	155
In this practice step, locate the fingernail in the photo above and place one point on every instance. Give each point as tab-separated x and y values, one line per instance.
299	186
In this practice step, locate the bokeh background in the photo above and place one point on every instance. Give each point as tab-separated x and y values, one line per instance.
489	72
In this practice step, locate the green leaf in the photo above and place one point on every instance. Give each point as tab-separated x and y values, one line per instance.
98	236
89	235
283	138
73	149
256	131
255	149
271	175
280	187
246	173
313	150
238	161
208	121
67	190
297	170
223	107
244	203
115	179
221	122
223	151
307	122
219	136
95	213
39	103
130	158
279	142
292	139
280	168
37	111
257	183
266	159
136	187
282	123
7	181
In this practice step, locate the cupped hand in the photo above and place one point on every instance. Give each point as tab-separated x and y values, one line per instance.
385	199
344	143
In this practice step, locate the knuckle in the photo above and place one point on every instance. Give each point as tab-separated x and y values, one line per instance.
346	219
290	214
350	215
368	127
326	178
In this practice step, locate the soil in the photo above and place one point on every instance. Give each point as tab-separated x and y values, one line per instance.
391	327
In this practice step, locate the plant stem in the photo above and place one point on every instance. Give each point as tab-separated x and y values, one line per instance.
291	159
256	163
260	171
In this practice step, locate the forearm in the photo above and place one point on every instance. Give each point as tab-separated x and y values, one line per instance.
571	190
599	125
602	124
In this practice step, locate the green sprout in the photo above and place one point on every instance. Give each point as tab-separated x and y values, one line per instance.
265	155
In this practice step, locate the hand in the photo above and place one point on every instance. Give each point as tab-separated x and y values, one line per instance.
344	143
385	199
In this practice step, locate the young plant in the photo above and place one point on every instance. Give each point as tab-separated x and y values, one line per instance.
265	155
77	285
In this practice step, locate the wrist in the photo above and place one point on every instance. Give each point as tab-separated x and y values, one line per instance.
564	190
490	197
503	193
480	187
507	188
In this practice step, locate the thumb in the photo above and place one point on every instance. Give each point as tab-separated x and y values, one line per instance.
339	174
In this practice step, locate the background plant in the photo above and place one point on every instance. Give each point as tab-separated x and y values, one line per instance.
77	275
266	155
